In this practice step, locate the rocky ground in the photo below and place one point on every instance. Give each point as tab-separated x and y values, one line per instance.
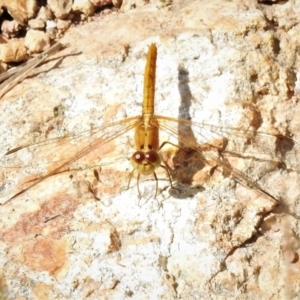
82	234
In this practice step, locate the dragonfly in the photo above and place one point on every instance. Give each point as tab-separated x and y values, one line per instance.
61	154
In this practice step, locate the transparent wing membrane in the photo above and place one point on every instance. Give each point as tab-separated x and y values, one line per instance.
88	148
57	155
232	142
215	145
260	145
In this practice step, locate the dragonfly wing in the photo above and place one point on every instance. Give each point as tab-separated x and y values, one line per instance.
53	156
214	143
234	141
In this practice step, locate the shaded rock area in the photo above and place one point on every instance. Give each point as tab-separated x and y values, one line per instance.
229	229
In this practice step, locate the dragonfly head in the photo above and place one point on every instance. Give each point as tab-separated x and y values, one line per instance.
145	162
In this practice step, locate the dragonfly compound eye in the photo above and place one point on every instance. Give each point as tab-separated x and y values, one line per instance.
152	157
138	157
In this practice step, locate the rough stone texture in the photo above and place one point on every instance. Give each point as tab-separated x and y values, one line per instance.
74	236
20	10
60	8
117	3
101	3
84	6
3	288
13	51
37	41
36	24
63	25
10	28
44	14
127	5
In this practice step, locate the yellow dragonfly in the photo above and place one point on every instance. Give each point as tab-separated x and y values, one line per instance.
63	154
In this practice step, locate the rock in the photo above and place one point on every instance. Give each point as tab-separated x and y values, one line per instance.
60	8
36	24
106	12
13	51
84	234
37	41
84	6
128	5
44	14
100	3
3	67
21	10
10	28
117	3
51	24
52	29
63	25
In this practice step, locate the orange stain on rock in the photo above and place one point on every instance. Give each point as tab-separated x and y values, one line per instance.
46	254
42	291
36	240
52	219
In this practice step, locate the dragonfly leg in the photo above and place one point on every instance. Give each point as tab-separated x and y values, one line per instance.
167	142
167	168
129	179
138	186
177	146
156	187
155	176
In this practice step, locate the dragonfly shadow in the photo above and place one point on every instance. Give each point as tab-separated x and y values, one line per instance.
203	148
185	105
187	162
195	161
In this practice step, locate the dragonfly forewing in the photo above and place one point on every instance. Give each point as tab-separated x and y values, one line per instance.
224	147
53	156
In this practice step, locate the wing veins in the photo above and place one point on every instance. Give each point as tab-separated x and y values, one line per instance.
239	175
65	139
86	150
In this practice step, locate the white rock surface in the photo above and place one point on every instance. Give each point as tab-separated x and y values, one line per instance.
213	240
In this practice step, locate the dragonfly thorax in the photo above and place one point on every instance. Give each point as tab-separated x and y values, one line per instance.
147	137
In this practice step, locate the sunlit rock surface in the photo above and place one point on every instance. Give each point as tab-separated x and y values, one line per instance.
75	236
